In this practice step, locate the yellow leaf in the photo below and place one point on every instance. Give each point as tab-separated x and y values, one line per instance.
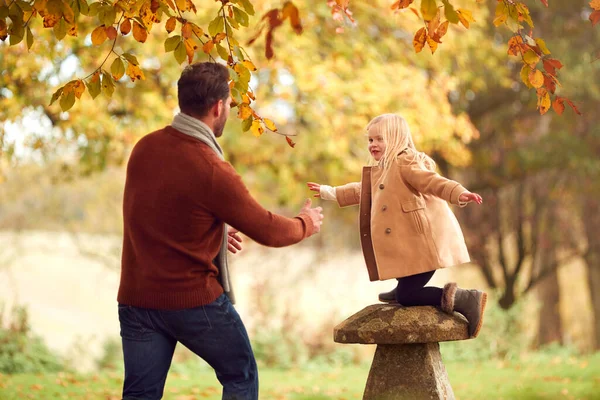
544	101
257	128
525	75
429	9
135	72
531	58
432	44
181	5
117	69
542	45
465	17
244	111
248	64
536	78
420	39
270	124
197	30
501	13
99	35
139	32
78	88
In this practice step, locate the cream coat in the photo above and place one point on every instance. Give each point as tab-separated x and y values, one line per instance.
406	225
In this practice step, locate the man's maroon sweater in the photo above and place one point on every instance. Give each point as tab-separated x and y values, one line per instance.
178	195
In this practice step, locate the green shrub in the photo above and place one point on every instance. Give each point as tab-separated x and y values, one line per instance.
23	352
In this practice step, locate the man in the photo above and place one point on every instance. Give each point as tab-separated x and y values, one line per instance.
179	194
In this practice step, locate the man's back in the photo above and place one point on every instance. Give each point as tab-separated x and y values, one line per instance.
170	237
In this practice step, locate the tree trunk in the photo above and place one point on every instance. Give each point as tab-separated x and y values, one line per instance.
550	324
591	222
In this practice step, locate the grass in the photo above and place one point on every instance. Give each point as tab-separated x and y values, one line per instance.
532	378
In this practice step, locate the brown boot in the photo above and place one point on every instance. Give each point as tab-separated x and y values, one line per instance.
470	303
388	297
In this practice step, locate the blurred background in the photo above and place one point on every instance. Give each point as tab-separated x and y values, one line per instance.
534	242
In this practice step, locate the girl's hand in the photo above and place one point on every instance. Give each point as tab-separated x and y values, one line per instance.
315	187
468	196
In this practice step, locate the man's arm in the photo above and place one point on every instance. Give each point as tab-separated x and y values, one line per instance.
231	202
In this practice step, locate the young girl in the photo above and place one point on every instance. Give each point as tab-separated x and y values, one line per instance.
407	229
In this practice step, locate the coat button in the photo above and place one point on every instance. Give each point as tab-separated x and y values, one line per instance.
383	208
388	231
381	186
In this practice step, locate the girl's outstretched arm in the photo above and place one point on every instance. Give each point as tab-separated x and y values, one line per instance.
345	195
430	182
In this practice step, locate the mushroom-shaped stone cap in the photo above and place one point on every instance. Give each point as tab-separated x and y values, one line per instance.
395	324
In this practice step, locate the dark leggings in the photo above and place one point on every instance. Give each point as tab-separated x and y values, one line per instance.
411	291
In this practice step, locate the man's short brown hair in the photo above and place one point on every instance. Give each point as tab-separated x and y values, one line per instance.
200	86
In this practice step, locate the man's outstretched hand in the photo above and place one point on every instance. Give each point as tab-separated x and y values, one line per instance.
234	240
315	214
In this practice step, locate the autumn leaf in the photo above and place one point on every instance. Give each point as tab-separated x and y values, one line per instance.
111	32
117	69
525	75
171	24
544	101
441	31
257	128
465	17
180	53
172	42
531	58
290	142
186	30
208	46
248	64
595	17
450	13
139	32
270	124
514	45
501	15
572	105
536	78
595	4
125	27
429	9
551	65
542	45
99	35
433	45
134	72
244	111
419	40
3	30
558	105
400	4
190	49
550	83
291	11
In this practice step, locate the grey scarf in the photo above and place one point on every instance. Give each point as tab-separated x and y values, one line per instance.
199	130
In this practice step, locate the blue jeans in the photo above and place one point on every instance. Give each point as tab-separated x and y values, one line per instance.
214	332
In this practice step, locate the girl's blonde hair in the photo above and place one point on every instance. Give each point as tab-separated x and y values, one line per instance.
396	135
